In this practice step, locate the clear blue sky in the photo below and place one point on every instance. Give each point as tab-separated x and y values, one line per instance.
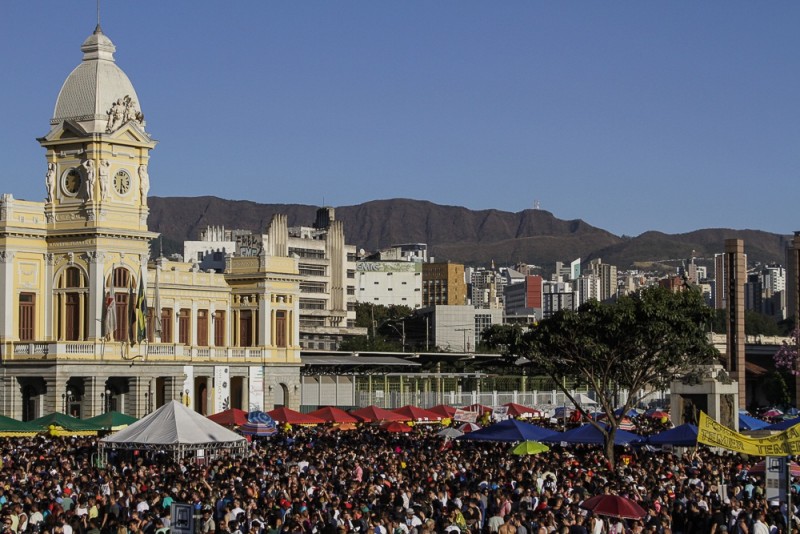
632	116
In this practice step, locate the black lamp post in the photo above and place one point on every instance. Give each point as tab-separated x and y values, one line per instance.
66	400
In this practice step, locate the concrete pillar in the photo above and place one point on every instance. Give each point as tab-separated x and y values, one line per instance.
736	275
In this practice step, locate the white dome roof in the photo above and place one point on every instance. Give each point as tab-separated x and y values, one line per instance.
92	89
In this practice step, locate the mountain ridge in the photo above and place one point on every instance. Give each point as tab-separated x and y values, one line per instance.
456	233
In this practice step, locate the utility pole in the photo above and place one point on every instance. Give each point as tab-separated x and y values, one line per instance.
465	330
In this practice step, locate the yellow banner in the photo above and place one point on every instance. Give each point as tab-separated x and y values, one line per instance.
711	433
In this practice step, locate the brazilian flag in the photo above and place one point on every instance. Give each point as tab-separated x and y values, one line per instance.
138	319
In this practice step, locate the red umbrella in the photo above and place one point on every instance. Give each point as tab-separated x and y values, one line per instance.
372	414
443	410
331	414
658	414
414	413
285	415
230	417
517	410
469	427
396	426
614	506
759	468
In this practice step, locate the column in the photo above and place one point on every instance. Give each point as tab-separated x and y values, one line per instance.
7	285
11	397
139	395
265	323
48	300
96	294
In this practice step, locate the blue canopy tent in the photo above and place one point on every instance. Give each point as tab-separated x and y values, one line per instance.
684	435
590	435
748	422
783	425
509	430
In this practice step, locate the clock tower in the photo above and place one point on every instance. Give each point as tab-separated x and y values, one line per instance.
96	177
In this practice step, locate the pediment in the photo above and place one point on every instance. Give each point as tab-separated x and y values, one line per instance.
131	132
67	129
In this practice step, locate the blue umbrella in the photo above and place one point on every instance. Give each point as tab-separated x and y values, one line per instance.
591	435
684	435
509	430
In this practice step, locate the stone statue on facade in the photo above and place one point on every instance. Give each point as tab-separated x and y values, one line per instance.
90	179
104	179
50	181
115	115
144	183
122	111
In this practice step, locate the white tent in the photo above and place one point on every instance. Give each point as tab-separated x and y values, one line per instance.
585	400
176	428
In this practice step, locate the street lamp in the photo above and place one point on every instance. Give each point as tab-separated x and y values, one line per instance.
105	398
66	399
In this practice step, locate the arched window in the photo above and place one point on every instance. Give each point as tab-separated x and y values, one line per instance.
71	305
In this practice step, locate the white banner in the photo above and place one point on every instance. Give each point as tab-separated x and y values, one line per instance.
256	389
222	388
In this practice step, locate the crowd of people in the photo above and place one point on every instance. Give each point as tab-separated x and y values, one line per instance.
313	480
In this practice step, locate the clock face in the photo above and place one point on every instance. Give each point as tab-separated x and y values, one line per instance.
122	182
71	182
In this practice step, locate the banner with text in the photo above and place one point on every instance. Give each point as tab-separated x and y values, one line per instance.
712	433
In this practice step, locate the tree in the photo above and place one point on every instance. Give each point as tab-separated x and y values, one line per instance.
787	356
642	342
373	317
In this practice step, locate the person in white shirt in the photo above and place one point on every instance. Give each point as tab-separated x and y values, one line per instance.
759	527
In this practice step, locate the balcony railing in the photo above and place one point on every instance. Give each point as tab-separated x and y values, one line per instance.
116	351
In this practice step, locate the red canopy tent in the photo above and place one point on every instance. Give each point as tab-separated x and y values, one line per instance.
417	414
230	417
443	410
396	426
517	410
332	414
372	414
285	415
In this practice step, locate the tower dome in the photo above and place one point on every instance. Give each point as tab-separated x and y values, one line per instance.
97	94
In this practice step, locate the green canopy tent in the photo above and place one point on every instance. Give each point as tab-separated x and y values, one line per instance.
60	424
112	420
12	428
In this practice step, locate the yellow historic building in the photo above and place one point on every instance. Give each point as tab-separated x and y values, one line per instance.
71	269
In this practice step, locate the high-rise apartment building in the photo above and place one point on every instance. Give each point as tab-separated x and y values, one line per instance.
443	284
